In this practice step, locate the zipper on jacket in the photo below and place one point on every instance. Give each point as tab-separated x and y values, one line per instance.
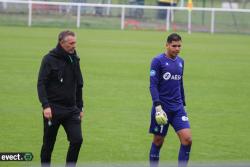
71	60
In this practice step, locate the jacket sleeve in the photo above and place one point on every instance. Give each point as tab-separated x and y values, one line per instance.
79	89
42	81
182	87
154	81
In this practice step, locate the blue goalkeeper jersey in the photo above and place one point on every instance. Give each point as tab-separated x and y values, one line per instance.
166	84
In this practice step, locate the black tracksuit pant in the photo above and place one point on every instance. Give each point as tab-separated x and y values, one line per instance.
69	118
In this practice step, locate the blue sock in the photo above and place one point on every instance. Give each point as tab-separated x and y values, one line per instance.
154	155
184	155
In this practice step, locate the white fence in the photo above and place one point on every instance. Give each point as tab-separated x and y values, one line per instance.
88	15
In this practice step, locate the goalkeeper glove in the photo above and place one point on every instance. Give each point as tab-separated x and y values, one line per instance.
160	116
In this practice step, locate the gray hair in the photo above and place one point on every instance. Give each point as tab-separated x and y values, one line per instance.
64	34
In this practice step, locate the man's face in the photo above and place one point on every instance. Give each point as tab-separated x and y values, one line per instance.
69	44
173	48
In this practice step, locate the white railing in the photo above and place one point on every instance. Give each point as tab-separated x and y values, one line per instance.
124	8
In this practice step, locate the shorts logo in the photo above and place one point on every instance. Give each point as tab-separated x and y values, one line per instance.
184	118
152	73
156	129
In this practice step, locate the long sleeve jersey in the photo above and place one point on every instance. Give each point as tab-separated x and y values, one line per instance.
166	84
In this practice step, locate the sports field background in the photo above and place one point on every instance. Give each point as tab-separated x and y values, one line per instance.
115	65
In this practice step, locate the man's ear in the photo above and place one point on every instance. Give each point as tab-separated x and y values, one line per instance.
167	45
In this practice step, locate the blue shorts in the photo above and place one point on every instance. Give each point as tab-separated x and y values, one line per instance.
178	120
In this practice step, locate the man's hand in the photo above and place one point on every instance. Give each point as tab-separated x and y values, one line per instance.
160	116
47	113
81	114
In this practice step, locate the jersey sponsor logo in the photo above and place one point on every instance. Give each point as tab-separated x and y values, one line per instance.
152	73
168	76
184	118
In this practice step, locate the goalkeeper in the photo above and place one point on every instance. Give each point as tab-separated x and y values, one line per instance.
166	88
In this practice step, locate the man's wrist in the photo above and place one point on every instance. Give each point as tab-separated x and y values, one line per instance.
157	103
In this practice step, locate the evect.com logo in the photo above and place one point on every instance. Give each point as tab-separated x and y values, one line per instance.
18	156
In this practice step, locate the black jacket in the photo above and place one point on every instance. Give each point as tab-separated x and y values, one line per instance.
60	80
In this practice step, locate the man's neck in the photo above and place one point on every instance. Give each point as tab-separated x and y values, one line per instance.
170	56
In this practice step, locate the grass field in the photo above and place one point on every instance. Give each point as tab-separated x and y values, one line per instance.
116	72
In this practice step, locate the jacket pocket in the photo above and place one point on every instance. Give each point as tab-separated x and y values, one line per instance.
56	79
56	74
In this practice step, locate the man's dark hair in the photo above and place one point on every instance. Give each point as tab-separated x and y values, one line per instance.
173	37
64	34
